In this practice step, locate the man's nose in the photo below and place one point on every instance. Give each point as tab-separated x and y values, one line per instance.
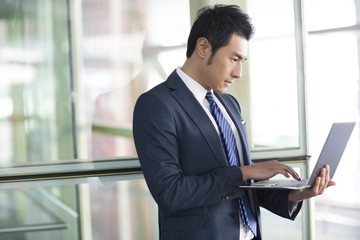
237	71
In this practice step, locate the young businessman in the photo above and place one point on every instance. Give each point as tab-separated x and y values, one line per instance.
192	163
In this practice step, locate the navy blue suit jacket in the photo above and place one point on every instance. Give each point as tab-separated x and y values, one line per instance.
185	167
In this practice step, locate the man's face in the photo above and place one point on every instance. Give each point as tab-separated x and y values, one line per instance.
226	65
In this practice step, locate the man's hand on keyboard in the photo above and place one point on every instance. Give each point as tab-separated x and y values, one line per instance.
266	170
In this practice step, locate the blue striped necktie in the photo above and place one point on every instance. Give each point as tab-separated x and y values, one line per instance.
232	155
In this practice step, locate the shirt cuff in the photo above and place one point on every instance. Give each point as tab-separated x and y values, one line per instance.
293	206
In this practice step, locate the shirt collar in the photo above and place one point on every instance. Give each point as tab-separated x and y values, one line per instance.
198	90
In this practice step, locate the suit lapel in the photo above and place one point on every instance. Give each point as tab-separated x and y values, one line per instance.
195	111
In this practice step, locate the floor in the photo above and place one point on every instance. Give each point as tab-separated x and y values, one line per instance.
334	223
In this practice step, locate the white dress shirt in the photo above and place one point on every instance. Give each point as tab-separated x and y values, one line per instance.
199	93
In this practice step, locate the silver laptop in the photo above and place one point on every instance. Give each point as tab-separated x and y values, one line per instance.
330	155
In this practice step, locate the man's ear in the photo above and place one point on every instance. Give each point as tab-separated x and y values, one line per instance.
203	47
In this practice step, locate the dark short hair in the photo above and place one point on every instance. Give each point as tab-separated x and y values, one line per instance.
217	24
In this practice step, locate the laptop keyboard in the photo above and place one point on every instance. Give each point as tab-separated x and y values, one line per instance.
289	183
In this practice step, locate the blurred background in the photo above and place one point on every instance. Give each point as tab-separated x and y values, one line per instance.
70	74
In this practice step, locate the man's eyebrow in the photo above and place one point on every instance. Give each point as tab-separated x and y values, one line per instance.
238	55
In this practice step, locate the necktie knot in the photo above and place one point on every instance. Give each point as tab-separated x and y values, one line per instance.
209	96
214	109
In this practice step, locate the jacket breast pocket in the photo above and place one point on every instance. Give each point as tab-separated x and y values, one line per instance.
187	222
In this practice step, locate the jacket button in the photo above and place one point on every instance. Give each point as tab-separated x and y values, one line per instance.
228	196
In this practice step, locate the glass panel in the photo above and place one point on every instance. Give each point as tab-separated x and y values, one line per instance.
38	213
132	215
35	101
110	209
36	116
339	101
118	61
268	93
126	48
333	95
334	14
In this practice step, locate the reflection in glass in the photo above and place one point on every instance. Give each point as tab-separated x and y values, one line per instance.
125	52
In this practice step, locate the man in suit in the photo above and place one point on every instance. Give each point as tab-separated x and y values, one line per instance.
181	148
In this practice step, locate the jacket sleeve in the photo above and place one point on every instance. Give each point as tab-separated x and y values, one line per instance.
277	202
156	141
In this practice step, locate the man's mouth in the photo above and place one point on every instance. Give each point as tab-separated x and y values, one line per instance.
228	82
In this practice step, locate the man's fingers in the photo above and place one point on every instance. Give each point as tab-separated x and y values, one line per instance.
296	175
292	172
325	172
315	188
321	182
286	170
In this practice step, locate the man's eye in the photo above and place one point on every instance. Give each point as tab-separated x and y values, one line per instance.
234	59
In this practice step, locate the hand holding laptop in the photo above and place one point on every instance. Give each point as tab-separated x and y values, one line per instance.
330	155
269	169
321	183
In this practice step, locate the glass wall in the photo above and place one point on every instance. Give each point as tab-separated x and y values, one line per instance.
36	117
35	96
39	213
272	69
332	64
125	48
118	50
